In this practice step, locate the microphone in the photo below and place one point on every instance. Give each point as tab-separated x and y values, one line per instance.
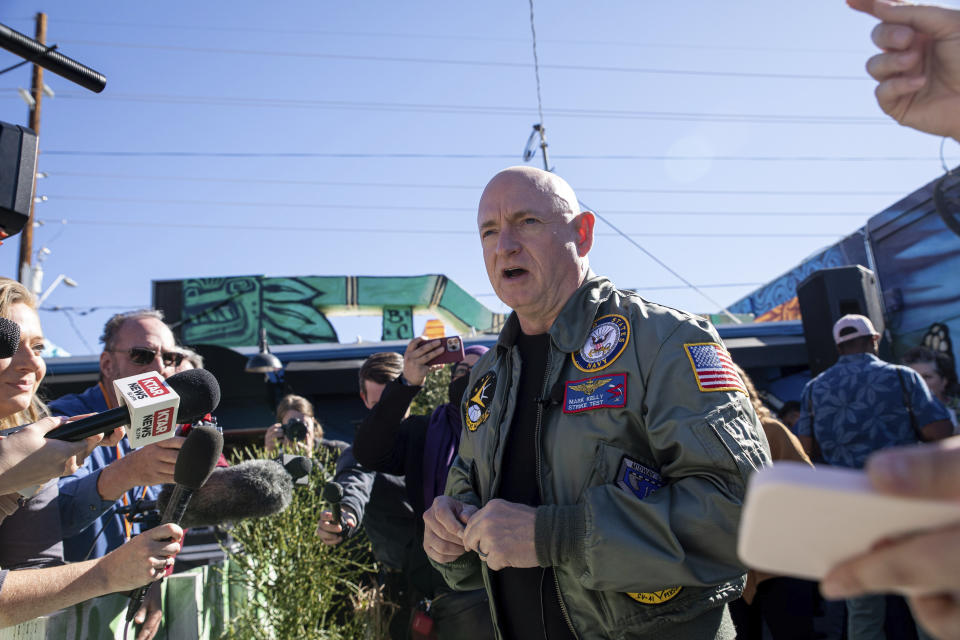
251	489
333	493
9	338
299	467
199	395
197	458
46	57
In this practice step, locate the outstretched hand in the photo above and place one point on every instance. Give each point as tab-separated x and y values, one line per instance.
924	566
918	73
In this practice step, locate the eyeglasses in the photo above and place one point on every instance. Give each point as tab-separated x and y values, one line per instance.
145	355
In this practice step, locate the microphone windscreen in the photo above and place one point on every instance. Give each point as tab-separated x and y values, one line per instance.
9	337
251	489
198	456
199	394
298	467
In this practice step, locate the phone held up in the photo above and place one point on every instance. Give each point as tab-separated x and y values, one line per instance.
452	350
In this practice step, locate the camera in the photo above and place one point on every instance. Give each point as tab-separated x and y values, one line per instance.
295	430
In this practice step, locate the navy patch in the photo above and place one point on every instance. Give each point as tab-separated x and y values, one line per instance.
609	391
476	409
639	480
606	341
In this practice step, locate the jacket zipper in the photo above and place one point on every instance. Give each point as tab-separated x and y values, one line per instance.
536	435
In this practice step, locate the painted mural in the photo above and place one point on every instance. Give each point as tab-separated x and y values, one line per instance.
916	258
229	311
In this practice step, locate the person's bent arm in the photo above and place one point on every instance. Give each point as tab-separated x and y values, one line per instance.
925	566
31	593
380	443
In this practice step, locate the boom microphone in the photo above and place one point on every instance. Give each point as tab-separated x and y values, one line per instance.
197	458
44	56
251	489
199	395
9	338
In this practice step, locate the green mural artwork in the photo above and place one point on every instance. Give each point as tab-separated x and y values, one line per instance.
397	323
226	311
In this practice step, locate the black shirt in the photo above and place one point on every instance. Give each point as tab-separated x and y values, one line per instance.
527	602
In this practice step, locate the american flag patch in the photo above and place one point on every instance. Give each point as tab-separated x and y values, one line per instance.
713	368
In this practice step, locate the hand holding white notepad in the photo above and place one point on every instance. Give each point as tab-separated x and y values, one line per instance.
799	521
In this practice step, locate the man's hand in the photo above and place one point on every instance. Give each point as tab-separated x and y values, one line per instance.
444	524
419	352
924	566
502	535
919	71
141	560
329	531
149	465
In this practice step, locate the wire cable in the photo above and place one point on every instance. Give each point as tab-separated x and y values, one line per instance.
477	63
536	64
472	187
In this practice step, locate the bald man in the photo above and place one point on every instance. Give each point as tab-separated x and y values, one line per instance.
607	442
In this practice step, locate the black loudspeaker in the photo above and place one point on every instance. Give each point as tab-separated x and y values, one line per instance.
18	165
829	294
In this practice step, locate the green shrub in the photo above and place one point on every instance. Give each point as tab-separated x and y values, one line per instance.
299	587
433	394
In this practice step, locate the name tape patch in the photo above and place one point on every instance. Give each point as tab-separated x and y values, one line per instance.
609	391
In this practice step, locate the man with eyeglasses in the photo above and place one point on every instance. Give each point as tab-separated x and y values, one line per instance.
114	477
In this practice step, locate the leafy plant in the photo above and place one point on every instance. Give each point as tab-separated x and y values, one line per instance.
299	587
433	393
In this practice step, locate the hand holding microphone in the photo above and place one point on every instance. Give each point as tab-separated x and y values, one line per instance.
196	461
336	524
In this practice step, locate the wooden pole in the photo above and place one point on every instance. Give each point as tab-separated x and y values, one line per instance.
36	90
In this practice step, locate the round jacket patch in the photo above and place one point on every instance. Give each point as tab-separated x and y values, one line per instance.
656	597
476	409
606	341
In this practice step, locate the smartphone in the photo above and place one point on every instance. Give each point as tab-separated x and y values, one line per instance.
452	351
799	521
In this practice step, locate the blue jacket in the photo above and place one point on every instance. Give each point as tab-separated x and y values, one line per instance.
87	520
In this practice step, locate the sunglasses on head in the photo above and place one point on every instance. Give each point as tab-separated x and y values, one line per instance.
145	355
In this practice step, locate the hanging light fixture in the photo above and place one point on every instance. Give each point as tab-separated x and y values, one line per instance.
263	362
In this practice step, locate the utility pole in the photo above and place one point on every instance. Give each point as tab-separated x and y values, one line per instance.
539	128
36	88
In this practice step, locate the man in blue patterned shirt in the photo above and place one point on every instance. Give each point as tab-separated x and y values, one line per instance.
858	406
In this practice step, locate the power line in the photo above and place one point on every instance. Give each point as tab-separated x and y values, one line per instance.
472	187
561	112
171	225
455	37
392	207
473	156
475	63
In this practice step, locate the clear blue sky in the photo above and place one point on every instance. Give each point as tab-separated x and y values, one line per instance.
694	126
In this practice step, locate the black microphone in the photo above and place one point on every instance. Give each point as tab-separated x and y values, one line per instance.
197	458
9	338
44	56
333	493
299	467
199	395
251	489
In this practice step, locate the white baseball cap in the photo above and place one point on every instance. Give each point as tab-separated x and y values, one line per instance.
852	326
